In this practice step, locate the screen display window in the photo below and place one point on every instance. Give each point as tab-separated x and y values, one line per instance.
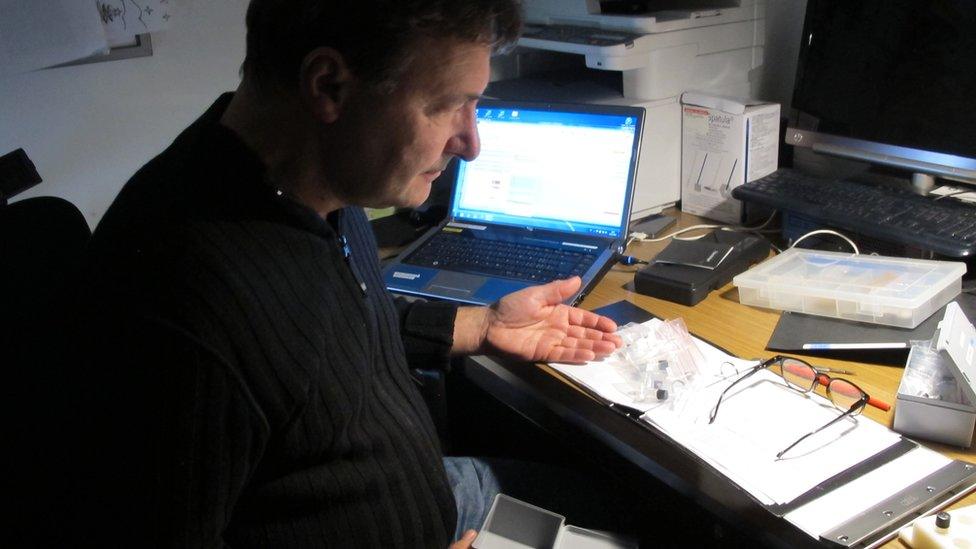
549	170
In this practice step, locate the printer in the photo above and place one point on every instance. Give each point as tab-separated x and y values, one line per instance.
637	53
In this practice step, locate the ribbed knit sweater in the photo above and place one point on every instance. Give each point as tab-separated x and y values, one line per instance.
247	383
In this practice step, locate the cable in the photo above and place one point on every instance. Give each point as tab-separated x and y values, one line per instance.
941	196
828	231
630	260
642	237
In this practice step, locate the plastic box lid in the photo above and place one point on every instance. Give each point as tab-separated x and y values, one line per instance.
867	288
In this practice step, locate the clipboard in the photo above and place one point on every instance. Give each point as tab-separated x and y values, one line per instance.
880	515
838	338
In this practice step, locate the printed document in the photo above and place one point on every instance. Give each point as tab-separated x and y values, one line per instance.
759	417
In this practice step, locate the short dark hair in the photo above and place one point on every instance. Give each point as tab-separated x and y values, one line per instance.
375	36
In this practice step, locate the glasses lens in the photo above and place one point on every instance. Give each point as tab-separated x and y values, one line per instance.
798	374
844	394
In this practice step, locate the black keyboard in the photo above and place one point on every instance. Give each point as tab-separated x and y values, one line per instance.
500	258
946	227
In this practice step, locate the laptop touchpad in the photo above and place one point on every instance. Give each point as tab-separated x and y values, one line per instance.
457	285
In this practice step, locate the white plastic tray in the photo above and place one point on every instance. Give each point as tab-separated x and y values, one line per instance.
866	288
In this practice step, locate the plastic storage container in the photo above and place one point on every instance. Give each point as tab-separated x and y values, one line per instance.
933	415
865	288
937	393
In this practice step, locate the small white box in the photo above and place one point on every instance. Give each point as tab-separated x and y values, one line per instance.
514	524
893	291
725	142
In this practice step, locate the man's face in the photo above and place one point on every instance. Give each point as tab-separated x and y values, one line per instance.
386	148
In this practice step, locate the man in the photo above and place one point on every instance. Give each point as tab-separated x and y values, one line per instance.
246	379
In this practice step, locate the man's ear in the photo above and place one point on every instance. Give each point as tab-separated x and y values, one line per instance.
325	82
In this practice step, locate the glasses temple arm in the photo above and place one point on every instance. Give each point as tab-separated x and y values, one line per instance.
714	412
850	411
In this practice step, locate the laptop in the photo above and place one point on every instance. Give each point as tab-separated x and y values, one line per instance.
548	198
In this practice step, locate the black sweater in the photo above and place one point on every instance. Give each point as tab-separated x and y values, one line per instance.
241	386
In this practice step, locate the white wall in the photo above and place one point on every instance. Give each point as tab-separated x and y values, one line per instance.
88	128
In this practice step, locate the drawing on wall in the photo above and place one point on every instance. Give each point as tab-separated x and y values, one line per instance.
124	19
86	31
27	28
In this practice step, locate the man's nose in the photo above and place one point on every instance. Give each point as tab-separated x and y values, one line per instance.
466	143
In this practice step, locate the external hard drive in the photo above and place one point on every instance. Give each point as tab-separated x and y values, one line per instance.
687	270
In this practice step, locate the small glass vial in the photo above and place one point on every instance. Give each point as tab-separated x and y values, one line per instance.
659	380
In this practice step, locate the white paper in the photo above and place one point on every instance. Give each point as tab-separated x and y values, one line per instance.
34	35
837	506
123	19
762	416
759	417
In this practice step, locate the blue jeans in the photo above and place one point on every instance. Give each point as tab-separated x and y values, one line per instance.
474	485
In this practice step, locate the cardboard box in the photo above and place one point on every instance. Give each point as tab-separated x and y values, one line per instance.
725	142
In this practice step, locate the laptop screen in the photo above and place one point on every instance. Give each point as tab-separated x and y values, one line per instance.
560	167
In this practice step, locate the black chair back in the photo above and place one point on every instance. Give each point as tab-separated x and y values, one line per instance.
42	240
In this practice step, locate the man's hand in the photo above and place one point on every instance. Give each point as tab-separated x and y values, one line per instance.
466	541
533	324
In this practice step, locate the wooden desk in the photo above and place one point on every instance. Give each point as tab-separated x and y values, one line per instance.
541	395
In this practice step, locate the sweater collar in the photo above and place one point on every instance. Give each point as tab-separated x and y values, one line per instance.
249	175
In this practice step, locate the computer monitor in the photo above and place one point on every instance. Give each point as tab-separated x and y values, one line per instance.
889	82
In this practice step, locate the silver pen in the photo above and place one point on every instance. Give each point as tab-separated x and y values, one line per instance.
824	369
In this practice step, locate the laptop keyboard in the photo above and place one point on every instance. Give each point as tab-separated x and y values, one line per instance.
500	258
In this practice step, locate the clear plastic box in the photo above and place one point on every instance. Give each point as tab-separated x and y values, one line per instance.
866	288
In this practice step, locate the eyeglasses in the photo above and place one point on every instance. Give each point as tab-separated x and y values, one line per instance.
804	378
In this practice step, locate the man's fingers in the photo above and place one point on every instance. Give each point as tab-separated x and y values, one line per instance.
465	541
571	342
572	356
580	332
604	348
598	347
577	355
590	319
587	333
558	291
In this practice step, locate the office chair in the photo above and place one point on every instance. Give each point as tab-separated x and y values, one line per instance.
41	242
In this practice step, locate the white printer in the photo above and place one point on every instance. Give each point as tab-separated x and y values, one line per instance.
647	58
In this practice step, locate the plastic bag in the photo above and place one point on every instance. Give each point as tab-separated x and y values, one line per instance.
927	375
658	362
